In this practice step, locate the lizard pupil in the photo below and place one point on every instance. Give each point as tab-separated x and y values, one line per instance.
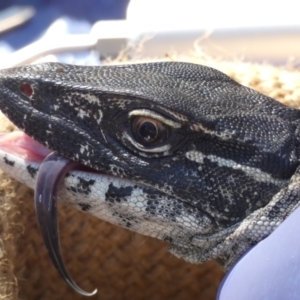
148	131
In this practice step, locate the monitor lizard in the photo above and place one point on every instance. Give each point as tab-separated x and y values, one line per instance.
176	151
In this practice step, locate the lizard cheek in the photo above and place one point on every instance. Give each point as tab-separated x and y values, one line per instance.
50	175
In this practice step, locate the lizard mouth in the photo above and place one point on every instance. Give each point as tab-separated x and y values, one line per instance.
19	144
52	170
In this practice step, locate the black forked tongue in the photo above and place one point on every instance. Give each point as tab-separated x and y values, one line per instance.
50	175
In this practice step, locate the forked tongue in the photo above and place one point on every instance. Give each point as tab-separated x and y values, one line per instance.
49	178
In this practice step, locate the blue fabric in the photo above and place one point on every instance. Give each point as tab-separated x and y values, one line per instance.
50	10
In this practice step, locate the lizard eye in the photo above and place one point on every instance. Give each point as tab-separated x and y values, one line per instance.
148	131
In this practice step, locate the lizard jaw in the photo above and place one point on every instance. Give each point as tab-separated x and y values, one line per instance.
116	200
18	145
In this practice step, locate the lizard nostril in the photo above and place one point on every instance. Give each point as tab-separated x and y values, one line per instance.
26	89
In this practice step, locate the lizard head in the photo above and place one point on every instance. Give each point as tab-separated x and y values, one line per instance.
181	151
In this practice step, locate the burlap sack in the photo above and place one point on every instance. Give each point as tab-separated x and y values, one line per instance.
121	264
